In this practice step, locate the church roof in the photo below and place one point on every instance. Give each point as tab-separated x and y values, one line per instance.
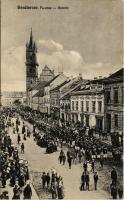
48	83
46	68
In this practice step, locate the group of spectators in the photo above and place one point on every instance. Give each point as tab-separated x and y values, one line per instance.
14	171
54	183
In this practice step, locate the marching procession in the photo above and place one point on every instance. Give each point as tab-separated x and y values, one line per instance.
74	146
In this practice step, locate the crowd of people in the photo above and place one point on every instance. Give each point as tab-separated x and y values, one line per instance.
83	147
81	144
14	171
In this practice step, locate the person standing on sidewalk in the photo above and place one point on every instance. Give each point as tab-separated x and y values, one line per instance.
95	180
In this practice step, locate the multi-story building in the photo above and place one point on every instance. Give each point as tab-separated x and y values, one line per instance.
87	105
44	100
114	102
55	100
65	93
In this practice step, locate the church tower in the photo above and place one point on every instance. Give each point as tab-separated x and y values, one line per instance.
31	64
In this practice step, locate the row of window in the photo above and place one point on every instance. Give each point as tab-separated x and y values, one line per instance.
108	97
65	106
75	106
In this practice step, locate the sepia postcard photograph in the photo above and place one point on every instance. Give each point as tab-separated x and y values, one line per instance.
61	99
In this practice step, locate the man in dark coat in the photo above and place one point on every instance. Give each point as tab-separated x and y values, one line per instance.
43	179
70	161
114	175
95	180
23	129
27	192
83	181
18	138
48	180
87	181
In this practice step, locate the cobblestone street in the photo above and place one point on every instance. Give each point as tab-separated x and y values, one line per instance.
39	161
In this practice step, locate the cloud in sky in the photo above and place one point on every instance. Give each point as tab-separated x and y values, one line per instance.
55	56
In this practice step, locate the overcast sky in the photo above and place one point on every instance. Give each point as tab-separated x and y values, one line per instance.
86	38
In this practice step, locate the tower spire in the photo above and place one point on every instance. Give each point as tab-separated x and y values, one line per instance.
31	39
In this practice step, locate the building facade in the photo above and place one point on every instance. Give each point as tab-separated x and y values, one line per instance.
65	108
65	102
47	74
55	95
87	106
45	99
114	102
